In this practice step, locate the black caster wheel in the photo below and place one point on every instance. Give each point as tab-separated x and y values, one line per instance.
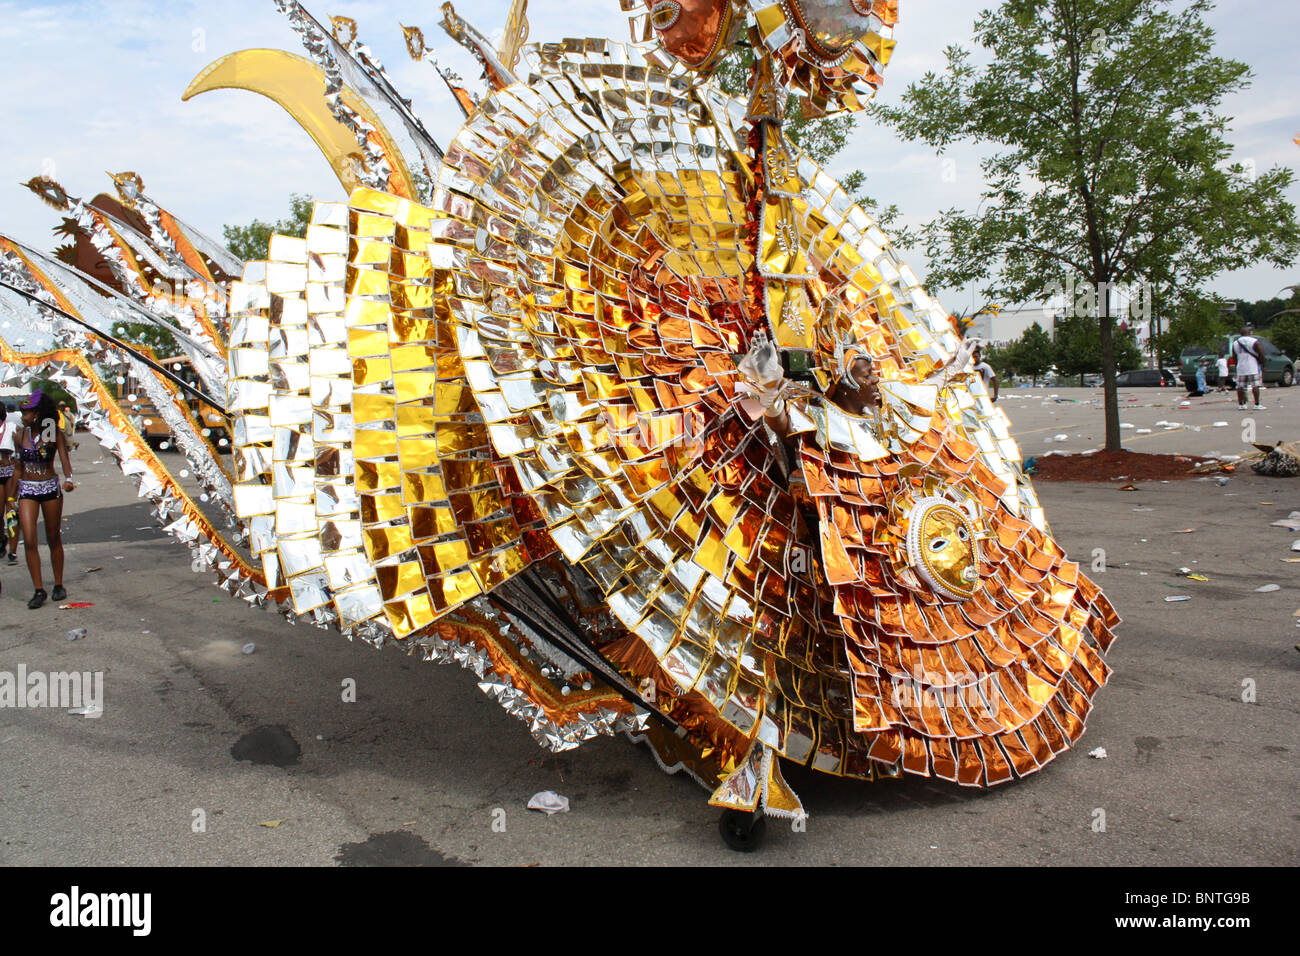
742	832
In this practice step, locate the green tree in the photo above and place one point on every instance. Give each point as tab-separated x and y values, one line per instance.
1196	321
1076	348
1285	334
252	241
1260	313
1128	354
1110	162
1004	360
1033	352
1077	344
161	341
1263	312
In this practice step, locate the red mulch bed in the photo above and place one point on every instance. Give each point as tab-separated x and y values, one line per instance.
1114	465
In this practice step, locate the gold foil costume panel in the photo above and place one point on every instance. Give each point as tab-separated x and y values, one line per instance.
518	425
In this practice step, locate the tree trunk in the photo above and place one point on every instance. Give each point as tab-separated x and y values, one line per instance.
1154	326
1108	367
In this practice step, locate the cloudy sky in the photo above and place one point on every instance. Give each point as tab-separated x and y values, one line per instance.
95	87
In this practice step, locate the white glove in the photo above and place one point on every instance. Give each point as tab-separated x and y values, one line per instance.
761	374
957	365
963	356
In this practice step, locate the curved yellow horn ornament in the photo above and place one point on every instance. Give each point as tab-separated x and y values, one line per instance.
298	85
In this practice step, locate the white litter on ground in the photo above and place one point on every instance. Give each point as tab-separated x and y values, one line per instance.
1290	522
548	801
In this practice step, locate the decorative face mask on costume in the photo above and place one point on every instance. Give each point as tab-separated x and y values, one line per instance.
831	26
941	547
697	32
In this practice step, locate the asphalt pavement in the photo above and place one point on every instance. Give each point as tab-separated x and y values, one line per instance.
1199	722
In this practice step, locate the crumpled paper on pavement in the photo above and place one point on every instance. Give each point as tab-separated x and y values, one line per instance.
548	801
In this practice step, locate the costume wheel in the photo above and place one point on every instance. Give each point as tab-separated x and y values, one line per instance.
742	832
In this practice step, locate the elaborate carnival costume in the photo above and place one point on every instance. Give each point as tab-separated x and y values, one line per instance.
570	416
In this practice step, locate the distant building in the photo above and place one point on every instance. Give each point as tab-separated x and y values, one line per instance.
1007	325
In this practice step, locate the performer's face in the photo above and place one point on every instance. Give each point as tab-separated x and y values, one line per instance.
862	390
690	29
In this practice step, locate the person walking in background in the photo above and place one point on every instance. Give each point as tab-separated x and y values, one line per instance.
1250	367
68	422
8	481
40	440
1224	377
986	372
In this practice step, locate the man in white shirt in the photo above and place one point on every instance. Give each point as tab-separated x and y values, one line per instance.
8	432
1250	367
986	372
1222	369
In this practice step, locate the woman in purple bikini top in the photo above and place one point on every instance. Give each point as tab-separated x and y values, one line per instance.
40	456
39	494
36	451
36	460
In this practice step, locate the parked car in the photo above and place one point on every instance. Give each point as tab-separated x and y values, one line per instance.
1279	369
1145	376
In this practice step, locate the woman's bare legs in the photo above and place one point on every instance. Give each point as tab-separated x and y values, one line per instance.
53	513
27	513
